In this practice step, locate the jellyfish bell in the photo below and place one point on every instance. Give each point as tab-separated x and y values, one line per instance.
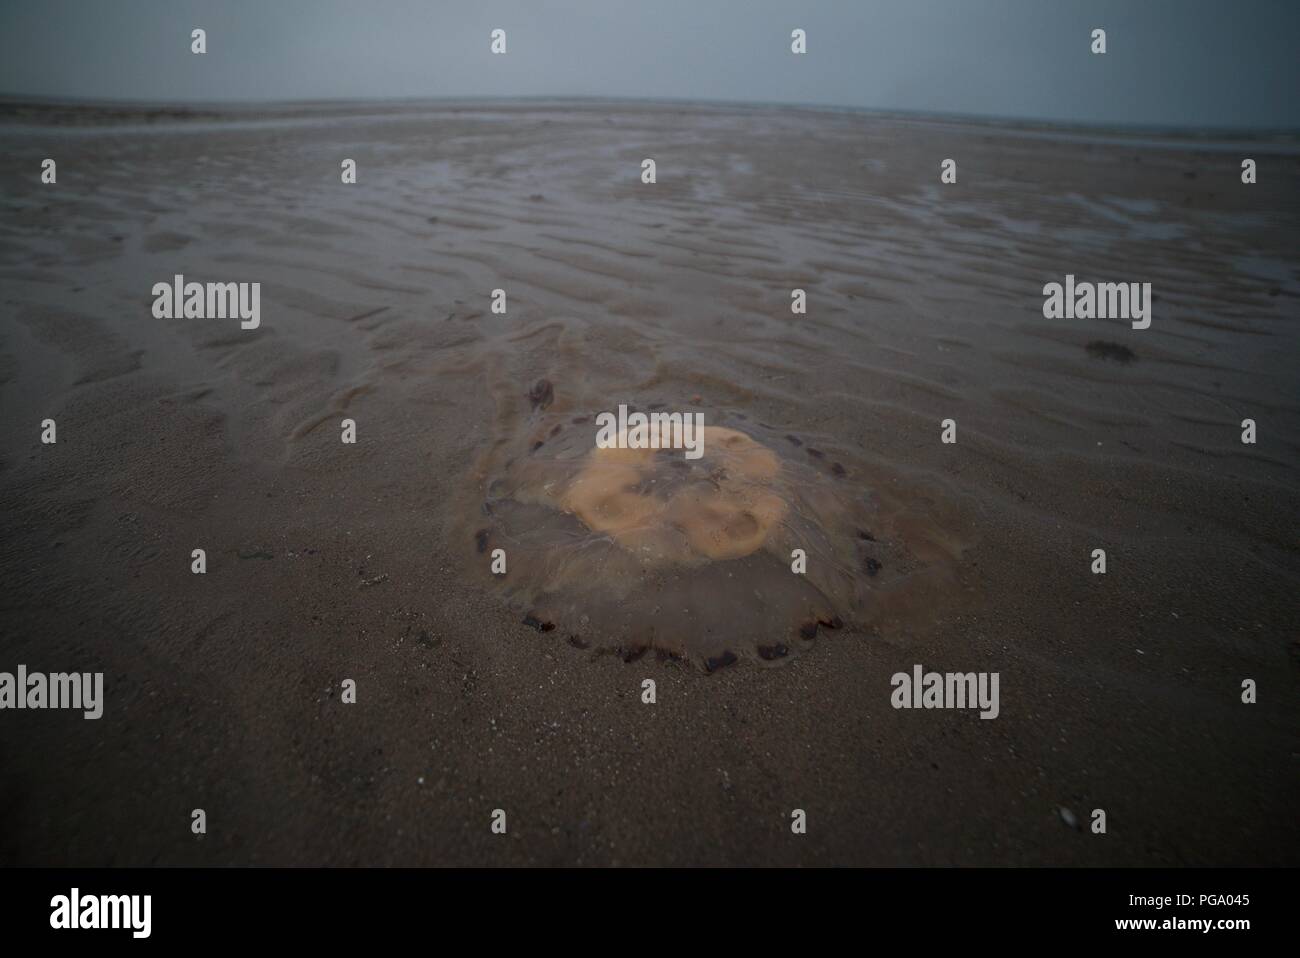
631	549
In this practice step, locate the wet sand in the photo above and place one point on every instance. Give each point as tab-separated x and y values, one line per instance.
329	561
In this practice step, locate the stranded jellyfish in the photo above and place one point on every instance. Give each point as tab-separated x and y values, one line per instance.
746	551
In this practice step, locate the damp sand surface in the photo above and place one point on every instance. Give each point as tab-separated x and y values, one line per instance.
476	431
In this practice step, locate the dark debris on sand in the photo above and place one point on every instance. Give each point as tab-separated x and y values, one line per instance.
1101	349
542	394
720	662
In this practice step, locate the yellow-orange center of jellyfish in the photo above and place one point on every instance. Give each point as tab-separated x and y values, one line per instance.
723	509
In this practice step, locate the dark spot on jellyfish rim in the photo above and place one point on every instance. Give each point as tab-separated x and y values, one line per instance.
720	661
1101	349
794	439
481	539
838	470
577	642
808	630
542	394
556	430
864	534
871	565
533	622
535	446
771	652
579	420
816	453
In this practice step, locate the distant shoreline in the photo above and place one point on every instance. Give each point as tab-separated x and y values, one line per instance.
16	103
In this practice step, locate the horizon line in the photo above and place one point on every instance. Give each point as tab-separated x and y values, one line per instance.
20	98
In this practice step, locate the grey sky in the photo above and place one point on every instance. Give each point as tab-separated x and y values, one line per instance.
1194	63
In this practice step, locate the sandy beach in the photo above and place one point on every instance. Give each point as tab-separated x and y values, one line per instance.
369	561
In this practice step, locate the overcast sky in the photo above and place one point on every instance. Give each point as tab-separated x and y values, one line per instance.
1193	63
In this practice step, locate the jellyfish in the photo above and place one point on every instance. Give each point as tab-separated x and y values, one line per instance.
748	552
